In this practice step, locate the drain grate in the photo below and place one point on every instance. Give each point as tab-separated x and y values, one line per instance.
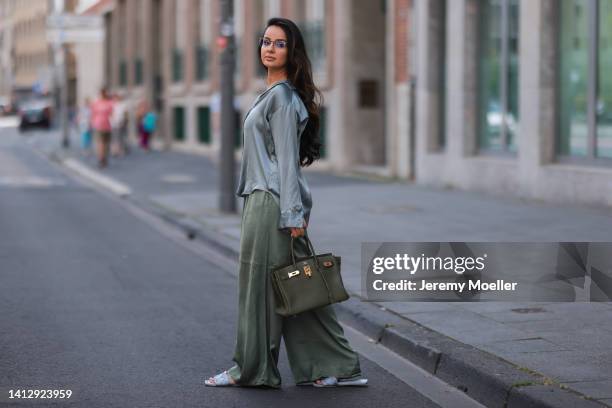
392	209
525	310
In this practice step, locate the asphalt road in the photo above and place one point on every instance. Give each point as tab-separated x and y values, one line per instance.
96	300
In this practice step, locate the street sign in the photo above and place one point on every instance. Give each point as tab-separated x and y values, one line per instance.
73	28
67	20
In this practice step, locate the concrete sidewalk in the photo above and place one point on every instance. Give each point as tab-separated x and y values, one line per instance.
566	346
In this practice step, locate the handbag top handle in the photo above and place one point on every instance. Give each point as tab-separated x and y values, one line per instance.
310	248
316	260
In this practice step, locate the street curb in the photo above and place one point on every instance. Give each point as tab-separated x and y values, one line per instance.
487	378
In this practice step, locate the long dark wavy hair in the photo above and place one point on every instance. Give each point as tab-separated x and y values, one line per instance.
299	73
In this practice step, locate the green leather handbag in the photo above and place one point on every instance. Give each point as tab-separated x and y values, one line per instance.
308	283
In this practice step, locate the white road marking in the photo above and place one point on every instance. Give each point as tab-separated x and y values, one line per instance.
9	121
107	182
29	181
15	173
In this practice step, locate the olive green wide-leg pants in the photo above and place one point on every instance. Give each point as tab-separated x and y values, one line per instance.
315	342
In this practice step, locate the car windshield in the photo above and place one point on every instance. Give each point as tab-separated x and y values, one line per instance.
35	104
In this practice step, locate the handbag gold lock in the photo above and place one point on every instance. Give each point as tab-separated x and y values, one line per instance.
307	270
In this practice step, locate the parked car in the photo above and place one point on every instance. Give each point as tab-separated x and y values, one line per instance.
6	106
35	112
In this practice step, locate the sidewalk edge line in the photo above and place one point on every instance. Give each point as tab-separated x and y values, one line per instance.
115	186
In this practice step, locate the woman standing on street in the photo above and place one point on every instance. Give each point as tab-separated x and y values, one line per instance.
101	113
280	135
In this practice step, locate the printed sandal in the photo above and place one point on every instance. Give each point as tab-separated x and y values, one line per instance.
220	380
352	382
326	382
343	382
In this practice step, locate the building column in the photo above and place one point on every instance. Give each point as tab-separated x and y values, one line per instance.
339	130
399	88
537	88
114	49
190	123
391	98
428	90
462	77
469	77
167	19
130	48
361	81
190	14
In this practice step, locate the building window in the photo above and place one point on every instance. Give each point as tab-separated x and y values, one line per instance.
573	78
122	73
179	40
323	131
179	123
238	33
203	38
202	56
108	48
435	55
585	86
313	30
138	75
204	128
604	92
177	65
122	16
498	64
138	41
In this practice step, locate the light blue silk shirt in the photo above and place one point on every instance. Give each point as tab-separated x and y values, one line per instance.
271	134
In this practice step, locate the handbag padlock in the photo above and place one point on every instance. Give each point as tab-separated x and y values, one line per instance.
307	270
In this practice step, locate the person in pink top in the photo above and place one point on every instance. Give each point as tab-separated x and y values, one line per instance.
101	113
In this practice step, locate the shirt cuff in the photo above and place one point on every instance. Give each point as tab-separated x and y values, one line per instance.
292	218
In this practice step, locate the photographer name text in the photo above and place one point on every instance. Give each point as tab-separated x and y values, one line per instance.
425	285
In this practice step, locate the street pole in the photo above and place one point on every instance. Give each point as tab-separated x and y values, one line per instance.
227	202
60	48
64	97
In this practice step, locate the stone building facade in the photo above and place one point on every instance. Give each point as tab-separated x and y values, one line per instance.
32	57
514	97
165	51
501	96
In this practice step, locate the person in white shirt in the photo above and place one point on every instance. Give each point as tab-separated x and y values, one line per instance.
119	122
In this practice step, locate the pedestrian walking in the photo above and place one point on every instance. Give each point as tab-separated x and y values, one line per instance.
120	126
101	112
84	124
280	135
147	123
